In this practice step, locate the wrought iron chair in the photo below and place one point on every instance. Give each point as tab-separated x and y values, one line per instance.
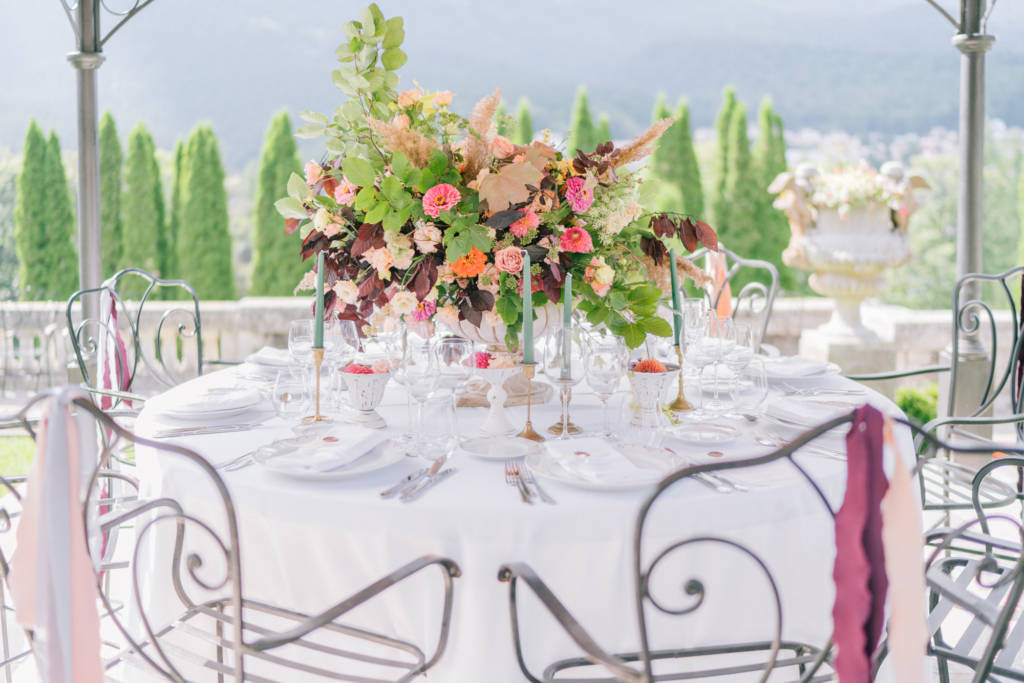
947	485
169	354
755	296
804	661
218	631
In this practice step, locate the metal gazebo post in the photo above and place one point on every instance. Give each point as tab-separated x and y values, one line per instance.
85	21
973	42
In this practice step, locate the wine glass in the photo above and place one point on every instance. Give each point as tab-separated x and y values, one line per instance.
436	437
455	364
719	342
564	365
694	318
750	389
605	364
743	349
341	343
291	394
300	342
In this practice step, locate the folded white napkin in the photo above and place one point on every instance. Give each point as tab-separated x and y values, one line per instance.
206	400
269	355
793	366
329	451
597	460
807	412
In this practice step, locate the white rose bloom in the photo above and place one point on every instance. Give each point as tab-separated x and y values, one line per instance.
403	303
347	291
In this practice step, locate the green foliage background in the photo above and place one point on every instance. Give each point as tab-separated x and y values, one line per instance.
110	194
144	238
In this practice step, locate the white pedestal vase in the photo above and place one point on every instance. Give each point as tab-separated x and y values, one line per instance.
493	335
497	422
366	392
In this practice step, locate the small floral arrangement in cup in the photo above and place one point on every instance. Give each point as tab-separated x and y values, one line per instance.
424	214
376	368
486	360
649	365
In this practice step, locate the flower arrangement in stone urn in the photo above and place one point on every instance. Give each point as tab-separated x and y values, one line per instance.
424	214
848	226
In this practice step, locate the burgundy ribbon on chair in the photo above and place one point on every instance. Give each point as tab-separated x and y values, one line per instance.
858	613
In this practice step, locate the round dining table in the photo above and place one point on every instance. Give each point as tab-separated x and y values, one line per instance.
306	545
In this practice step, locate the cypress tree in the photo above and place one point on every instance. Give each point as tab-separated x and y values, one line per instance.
169	262
719	204
604	130
110	193
581	133
203	241
44	222
740	230
689	177
501	118
524	124
770	161
664	165
144	242
277	265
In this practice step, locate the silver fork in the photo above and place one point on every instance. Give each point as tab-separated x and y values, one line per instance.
531	481
512	478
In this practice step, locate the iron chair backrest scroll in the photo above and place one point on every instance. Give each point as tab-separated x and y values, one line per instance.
644	570
757	297
970	318
162	349
187	565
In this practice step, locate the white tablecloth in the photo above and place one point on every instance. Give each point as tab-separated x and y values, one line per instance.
308	545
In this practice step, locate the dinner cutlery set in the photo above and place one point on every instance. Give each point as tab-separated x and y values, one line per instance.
412	486
523	480
202	430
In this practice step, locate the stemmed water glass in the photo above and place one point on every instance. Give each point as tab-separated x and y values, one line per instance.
291	394
341	343
564	365
417	372
743	347
300	342
454	359
750	390
605	364
718	341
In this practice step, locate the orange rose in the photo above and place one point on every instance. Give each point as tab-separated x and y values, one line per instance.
471	264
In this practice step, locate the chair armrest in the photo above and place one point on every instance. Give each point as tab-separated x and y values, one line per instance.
510	573
878	376
449	570
124	395
218	361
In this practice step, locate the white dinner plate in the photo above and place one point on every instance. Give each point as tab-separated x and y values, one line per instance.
498	448
384	455
664	461
830	370
705	433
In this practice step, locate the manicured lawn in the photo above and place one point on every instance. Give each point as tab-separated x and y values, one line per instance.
16	453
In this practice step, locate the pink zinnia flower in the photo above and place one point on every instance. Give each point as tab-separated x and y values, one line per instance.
577	240
578	195
482	359
440	198
345	192
358	369
423	311
525	224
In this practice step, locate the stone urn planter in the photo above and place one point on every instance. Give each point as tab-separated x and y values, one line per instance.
849	246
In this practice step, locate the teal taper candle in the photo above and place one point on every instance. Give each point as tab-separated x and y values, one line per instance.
527	310
677	307
318	317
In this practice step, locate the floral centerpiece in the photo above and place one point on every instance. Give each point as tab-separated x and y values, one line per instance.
425	214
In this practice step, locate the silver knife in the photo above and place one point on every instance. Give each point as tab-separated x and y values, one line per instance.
406	481
417	490
198	431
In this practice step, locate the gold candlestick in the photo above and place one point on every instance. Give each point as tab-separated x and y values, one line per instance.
318	361
680	404
570	428
528	431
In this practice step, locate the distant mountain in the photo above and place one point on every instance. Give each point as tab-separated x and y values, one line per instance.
873	65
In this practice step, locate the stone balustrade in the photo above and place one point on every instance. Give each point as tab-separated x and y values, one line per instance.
36	349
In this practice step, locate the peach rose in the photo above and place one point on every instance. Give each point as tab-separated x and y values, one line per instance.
447	315
380	258
509	260
409	98
347	291
401	121
313	172
442	98
403	302
426	236
502	147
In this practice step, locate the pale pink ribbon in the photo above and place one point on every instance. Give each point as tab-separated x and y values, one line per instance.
116	357
717	267
52	578
904	550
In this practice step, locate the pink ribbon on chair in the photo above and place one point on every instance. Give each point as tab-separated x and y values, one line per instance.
720	288
52	578
120	353
878	545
